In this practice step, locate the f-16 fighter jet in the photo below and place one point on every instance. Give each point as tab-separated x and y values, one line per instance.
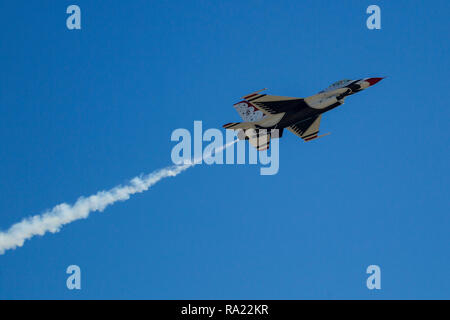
262	113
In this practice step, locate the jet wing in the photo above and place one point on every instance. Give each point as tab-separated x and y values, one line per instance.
271	104
307	129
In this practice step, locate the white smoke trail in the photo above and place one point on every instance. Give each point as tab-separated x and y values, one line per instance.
62	214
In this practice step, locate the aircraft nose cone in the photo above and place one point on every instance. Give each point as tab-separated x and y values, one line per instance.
372	81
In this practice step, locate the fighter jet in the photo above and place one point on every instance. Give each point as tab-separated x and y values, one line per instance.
263	113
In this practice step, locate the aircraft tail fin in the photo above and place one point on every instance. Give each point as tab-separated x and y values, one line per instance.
248	111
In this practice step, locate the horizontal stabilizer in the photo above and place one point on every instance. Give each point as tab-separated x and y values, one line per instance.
238	125
253	94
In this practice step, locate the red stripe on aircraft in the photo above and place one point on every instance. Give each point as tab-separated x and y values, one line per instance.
249	96
308	139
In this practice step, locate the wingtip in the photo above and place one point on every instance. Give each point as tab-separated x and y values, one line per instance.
253	94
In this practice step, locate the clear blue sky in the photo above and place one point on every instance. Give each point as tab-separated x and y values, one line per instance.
82	111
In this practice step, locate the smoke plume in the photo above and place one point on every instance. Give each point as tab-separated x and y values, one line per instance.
62	214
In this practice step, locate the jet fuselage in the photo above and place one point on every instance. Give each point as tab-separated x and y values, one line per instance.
262	113
297	110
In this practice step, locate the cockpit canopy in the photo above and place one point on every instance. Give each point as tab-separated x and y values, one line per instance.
338	84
